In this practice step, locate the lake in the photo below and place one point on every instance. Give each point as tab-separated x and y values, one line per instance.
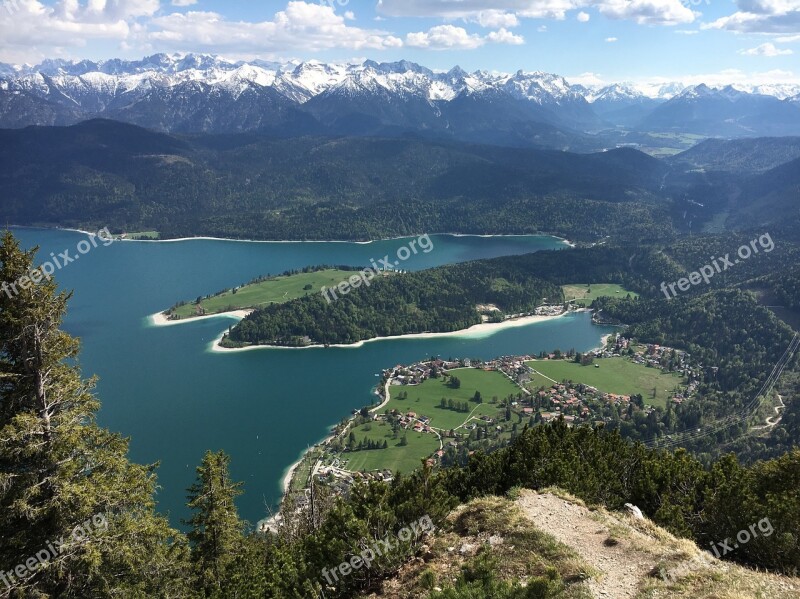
165	389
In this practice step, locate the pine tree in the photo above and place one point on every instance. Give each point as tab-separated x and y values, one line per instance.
217	531
62	477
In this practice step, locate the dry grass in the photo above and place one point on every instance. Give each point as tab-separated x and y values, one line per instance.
494	525
497	526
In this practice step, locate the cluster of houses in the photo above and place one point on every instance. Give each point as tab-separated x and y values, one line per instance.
513	367
410	420
416	374
575	403
549	310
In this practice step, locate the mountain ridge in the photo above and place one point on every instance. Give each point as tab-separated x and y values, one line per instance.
186	93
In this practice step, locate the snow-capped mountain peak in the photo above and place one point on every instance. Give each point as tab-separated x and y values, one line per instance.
61	91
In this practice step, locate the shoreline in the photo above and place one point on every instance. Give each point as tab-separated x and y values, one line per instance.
477	331
291	470
160	320
603	342
289	473
564	240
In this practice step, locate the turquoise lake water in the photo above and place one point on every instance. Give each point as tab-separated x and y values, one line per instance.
162	386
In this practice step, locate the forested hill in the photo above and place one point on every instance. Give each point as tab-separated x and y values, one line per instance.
63	474
103	173
708	321
442	299
438	300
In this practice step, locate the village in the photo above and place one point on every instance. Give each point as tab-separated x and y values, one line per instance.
467	405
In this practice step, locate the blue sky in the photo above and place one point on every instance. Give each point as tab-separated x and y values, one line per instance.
609	40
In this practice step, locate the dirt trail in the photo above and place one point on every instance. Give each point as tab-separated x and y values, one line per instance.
773	420
621	565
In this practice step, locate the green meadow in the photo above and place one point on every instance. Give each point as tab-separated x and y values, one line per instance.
273	291
396	457
425	399
614	375
584	294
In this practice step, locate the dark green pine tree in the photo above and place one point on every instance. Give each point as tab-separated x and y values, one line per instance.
59	470
217	532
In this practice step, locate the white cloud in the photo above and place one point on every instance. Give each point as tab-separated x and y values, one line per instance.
767	49
746	22
651	12
495	19
768	7
611	40
587	79
762	16
687	31
730	77
788	39
444	37
450	37
504	36
35	30
583	17
470	9
184	2
647	12
302	26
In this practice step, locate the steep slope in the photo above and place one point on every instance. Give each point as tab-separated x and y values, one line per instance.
255	185
742	156
769	199
725	112
202	93
622	105
582	552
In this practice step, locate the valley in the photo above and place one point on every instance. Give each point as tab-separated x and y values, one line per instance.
369	328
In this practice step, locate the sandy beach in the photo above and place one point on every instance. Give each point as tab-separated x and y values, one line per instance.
369	242
477	331
603	342
159	319
287	478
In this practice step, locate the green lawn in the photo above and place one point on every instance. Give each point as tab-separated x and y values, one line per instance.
585	293
424	399
395	458
615	375
275	290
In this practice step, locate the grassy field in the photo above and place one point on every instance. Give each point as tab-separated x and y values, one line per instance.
424	399
275	290
584	294
395	457
615	375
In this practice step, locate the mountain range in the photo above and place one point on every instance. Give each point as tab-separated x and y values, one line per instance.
201	93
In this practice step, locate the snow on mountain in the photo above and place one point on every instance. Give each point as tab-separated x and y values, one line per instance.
67	91
303	81
613	93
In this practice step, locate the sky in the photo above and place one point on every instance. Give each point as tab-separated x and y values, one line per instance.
588	41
